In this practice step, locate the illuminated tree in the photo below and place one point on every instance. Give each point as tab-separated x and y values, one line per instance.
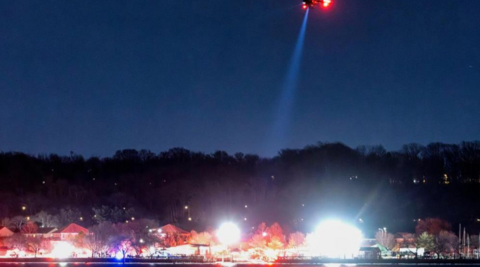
275	231
137	234
426	241
29	228
258	242
433	226
276	243
79	240
296	240
203	238
262	228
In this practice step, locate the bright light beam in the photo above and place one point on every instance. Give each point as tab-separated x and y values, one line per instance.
282	121
335	239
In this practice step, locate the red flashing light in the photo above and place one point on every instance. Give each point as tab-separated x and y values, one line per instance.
326	3
304	6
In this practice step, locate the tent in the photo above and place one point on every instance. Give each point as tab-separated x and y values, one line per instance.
383	249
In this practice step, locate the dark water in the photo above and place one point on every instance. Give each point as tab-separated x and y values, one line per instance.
144	264
78	264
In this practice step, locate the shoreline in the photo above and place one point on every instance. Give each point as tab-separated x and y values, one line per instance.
323	262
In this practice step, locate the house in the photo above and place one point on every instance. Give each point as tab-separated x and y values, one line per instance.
5	231
404	240
45	232
70	232
171	229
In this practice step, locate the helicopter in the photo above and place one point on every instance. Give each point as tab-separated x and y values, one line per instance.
313	3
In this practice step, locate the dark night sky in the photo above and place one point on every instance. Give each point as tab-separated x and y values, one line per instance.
96	76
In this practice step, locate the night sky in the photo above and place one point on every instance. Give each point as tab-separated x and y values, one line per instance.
97	76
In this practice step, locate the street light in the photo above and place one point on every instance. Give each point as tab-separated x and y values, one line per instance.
384	231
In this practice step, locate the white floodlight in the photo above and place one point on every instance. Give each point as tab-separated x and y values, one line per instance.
228	234
335	239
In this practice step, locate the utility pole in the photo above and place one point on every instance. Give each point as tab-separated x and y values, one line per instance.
459	238
468	246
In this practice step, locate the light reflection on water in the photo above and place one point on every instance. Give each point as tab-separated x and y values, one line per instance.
118	264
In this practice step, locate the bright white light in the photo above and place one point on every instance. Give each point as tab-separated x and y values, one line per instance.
228	233
119	255
335	239
62	250
151	250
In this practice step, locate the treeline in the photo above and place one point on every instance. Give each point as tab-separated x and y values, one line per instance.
295	188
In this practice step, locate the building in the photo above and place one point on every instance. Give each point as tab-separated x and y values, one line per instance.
46	232
70	232
369	253
5	231
171	232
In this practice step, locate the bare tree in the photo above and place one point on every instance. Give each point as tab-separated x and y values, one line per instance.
17	222
16	241
98	238
446	242
68	215
385	239
35	244
46	220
